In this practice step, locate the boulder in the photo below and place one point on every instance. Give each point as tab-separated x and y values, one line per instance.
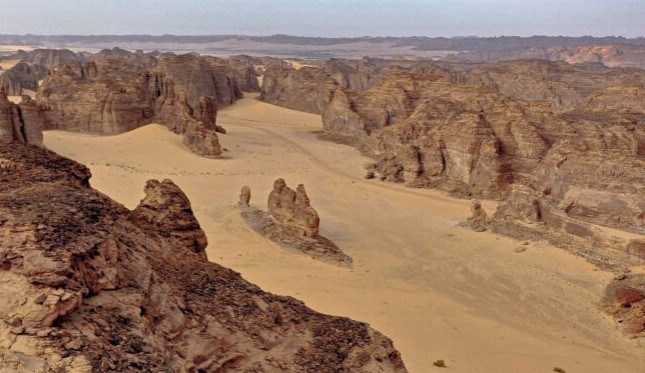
202	141
626	296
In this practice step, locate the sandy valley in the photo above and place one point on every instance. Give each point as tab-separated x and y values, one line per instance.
438	290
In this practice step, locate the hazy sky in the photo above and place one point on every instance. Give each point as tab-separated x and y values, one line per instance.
326	18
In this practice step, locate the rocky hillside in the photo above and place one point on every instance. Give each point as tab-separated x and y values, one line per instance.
563	146
89	286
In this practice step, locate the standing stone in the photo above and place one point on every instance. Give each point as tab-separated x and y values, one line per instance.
479	219
245	196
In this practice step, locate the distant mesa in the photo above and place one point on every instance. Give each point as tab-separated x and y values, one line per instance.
291	222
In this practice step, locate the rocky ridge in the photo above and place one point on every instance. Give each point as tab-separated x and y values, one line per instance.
90	286
291	222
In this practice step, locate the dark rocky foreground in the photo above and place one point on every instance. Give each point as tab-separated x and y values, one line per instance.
89	286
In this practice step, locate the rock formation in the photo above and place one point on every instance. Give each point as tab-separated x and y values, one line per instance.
89	286
293	209
603	55
22	76
48	58
311	89
624	299
245	196
115	91
201	140
479	220
291	222
562	146
22	123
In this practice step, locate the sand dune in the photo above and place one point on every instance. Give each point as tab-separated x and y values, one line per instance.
439	291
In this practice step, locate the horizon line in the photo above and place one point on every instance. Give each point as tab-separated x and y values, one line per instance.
327	37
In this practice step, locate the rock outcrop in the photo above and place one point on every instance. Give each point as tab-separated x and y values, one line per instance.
20	77
291	222
603	55
293	209
479	220
116	91
311	89
201	140
89	286
624	299
22	123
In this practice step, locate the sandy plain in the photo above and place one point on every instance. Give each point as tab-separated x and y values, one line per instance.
438	290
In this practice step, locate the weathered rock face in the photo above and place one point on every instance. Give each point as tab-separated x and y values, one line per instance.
78	97
48	58
166	209
117	91
426	132
293	209
22	123
307	89
32	68
22	76
311	89
91	286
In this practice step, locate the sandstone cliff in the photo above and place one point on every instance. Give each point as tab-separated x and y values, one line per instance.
115	91
20	77
22	123
89	286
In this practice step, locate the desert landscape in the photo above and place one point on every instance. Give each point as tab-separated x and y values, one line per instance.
421	284
232	202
